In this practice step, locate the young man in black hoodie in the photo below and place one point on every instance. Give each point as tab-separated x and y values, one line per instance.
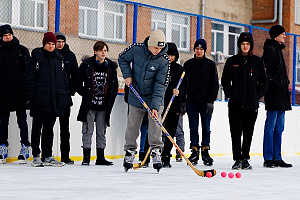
244	82
13	58
277	98
203	89
172	117
71	68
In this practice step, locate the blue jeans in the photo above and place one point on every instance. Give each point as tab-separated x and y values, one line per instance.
22	123
274	127
193	111
144	133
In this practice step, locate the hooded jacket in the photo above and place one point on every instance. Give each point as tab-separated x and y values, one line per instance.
85	87
13	58
149	73
46	83
203	81
244	80
277	96
71	68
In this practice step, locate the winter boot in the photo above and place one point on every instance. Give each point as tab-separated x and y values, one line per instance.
142	157
24	154
86	156
166	161
194	156
156	159
245	164
101	159
237	165
207	160
128	159
179	158
3	153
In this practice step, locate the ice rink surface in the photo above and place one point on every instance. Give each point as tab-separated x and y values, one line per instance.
179	182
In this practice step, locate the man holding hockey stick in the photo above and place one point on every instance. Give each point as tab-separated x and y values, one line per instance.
149	74
197	171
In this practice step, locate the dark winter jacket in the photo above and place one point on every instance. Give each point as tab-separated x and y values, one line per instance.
149	74
175	74
203	81
46	83
84	86
244	81
277	96
71	68
13	58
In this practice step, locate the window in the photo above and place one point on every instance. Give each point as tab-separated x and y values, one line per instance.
176	27
297	12
25	13
102	19
298	68
224	38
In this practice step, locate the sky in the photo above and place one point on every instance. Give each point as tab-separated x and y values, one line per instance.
179	182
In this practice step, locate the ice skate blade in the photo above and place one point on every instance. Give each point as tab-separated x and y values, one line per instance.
22	162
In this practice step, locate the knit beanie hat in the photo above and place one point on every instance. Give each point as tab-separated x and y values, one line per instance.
245	37
200	43
60	36
6	28
157	39
172	50
49	37
275	31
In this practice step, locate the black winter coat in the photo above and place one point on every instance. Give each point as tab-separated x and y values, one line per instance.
46	83
203	80
244	81
175	74
277	96
71	68
13	58
84	86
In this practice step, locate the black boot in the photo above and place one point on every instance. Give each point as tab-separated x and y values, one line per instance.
101	159
86	156
142	157
194	156
207	160
166	161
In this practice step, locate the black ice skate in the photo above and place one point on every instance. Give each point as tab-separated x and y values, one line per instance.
128	159
156	159
194	156
207	160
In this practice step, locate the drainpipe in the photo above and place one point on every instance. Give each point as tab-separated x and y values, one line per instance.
203	28
57	15
280	13
264	21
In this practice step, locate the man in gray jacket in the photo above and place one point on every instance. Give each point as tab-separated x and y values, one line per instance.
149	76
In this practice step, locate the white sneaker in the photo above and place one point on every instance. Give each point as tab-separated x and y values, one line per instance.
37	162
24	154
3	153
51	161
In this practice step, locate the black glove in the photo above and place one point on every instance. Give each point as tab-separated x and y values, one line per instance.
209	108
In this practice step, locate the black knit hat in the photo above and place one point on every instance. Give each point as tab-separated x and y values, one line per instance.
275	31
6	28
172	50
60	36
245	37
200	43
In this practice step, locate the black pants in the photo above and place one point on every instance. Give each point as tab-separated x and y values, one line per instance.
42	125
171	123
65	134
241	121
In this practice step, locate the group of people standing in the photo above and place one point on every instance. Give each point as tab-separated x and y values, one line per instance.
45	81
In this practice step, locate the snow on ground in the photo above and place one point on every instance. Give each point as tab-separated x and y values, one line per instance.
178	182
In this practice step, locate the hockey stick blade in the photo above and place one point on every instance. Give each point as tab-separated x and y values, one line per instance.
197	171
141	164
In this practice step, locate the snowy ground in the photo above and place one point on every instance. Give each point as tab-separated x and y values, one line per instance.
178	182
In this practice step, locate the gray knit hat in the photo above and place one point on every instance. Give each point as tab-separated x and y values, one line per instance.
157	39
60	35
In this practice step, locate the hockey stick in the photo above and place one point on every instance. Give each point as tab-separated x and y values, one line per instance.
139	165
197	171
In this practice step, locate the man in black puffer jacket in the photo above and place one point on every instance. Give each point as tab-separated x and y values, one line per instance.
203	88
277	98
71	68
244	82
47	88
13	58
